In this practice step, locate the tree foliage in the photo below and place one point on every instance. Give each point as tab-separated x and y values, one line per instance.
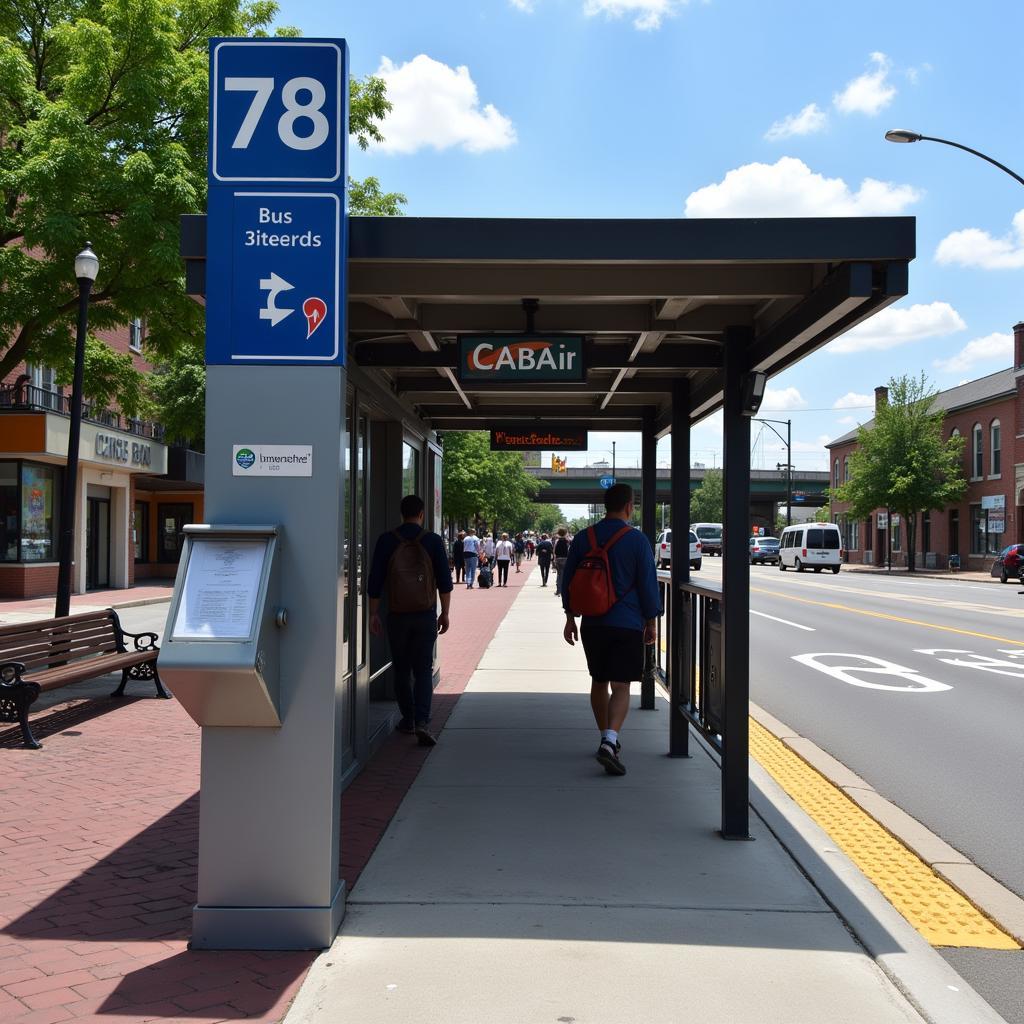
103	137
546	518
707	501
902	462
481	486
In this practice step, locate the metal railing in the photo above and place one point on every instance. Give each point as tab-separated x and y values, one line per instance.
695	656
32	398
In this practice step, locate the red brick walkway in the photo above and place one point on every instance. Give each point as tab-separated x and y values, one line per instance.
98	852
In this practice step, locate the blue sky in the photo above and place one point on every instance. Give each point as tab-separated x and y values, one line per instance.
663	108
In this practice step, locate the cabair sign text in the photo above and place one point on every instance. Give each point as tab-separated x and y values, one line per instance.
534	358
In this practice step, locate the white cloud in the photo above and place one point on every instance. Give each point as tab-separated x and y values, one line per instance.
646	14
789	188
847	421
810	120
993	348
852	400
438	106
914	74
522	5
973	247
782	399
869	93
892	327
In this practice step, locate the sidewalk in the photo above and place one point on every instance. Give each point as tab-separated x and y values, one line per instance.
29	609
900	572
519	884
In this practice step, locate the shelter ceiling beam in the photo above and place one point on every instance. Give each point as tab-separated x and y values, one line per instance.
596	356
619	281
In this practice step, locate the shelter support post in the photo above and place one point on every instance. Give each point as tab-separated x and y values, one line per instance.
648	497
735	590
680	627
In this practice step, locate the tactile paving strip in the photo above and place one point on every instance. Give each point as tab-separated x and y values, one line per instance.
940	913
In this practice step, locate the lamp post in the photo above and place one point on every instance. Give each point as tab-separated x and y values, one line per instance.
788	441
86	268
903	135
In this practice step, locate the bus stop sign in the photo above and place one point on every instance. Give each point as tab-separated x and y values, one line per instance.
276	219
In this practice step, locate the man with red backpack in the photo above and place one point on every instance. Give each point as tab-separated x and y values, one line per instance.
611	580
413	565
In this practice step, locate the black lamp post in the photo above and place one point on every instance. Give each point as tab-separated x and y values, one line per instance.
903	135
788	441
86	268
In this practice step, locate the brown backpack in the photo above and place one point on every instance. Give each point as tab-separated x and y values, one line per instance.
411	583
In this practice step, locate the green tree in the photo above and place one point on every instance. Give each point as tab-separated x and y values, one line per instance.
103	131
902	462
546	517
707	501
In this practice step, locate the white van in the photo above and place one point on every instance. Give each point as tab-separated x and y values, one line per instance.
814	546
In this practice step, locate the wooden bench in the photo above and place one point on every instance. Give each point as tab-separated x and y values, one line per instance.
45	655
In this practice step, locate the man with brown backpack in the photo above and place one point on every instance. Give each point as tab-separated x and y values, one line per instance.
413	565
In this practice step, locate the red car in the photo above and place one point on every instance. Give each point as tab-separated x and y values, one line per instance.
1009	563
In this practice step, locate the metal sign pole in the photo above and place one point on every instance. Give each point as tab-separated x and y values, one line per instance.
269	827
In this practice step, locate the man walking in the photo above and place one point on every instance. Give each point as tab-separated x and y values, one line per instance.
613	566
545	552
412	563
561	554
470	555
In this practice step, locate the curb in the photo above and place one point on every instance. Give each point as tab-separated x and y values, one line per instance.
992	898
919	574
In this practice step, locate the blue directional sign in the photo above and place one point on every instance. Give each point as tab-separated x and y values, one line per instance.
278	110
607	481
276	221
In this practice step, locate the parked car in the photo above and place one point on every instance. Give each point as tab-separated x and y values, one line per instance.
1009	564
814	546
664	550
710	537
764	549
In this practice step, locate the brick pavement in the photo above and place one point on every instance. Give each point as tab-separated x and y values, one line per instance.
98	853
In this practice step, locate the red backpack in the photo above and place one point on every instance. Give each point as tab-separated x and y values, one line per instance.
591	591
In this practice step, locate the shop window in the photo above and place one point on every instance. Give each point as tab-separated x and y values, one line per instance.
982	541
9	507
977	452
896	536
410	469
172	519
38	512
135	335
140	531
996	444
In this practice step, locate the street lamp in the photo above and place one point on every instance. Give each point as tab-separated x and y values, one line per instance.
903	135
788	441
87	266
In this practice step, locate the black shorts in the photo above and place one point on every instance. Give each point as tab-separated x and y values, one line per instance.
614	654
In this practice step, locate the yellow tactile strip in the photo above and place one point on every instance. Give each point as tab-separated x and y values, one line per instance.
940	913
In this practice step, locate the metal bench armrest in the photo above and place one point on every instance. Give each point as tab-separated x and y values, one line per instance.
143	641
11	673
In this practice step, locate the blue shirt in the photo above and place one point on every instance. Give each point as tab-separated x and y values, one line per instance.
634	575
387	545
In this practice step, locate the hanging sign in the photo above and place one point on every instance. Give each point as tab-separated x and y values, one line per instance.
993	501
521	358
521	438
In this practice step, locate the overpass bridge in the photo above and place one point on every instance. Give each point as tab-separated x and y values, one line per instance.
582	486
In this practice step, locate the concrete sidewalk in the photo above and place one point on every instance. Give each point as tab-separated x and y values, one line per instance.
518	883
14	611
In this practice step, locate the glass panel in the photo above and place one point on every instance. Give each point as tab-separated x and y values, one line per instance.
38	513
360	537
815	538
997	454
436	526
977	530
140	531
410	469
346	527
173	519
8	511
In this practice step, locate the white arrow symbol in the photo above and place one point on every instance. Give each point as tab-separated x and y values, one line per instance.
274	285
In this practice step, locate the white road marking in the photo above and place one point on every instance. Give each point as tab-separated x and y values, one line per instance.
873	666
983	663
785	622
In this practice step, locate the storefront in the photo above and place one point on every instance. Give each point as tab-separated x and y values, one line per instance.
33	458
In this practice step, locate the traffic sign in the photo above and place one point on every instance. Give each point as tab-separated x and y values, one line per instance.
607	481
278	110
276	273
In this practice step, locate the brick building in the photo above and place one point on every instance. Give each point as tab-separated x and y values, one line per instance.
989	414
135	492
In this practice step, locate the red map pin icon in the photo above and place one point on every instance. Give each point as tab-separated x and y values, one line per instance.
316	313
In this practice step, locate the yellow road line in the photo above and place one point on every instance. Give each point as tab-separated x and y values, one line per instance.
886	615
940	913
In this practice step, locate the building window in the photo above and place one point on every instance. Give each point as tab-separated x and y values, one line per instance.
29	503
410	469
978	452
995	444
135	335
172	519
846	469
835	474
140	531
45	391
982	541
896	535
